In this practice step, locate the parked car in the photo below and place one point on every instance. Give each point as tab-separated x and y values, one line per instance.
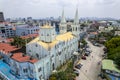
76	72
83	57
87	46
78	66
97	44
88	49
87	53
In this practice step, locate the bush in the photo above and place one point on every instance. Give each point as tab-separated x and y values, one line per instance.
68	74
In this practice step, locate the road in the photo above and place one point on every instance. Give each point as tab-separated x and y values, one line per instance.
90	68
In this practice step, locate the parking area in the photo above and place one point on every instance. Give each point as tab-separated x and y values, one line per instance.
92	64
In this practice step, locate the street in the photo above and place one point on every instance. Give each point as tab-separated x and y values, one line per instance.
91	68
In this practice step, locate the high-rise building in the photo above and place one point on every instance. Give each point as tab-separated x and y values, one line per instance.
1	17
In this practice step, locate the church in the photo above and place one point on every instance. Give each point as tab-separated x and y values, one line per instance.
54	50
46	52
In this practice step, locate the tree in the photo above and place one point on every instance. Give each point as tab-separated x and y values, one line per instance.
19	42
113	46
117	60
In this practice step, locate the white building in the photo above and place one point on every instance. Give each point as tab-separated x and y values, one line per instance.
75	25
117	33
22	30
53	49
7	30
63	24
45	53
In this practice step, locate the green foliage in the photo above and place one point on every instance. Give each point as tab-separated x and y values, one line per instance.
83	25
113	43
19	42
52	78
84	42
68	74
113	47
117	59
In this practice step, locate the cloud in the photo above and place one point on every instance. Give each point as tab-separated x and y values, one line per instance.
37	8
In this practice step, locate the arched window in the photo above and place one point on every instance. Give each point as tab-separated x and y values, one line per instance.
47	34
37	55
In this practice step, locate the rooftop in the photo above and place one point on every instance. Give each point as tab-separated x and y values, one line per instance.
62	37
109	65
23	58
29	36
95	33
7	48
46	26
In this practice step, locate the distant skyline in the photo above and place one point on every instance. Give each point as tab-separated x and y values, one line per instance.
47	8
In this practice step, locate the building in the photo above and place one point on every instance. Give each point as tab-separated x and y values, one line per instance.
22	30
109	67
75	26
1	17
63	24
117	33
17	65
43	54
7	30
53	49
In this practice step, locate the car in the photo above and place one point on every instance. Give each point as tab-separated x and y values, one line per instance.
97	44
78	66
87	46
88	50
76	72
83	57
87	54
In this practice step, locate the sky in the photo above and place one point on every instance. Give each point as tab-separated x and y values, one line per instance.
48	8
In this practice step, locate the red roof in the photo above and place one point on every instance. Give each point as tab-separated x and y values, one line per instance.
7	48
29	36
9	39
20	58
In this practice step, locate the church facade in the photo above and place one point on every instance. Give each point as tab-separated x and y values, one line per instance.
54	50
46	52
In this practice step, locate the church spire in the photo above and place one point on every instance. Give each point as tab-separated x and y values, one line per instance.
76	19
63	17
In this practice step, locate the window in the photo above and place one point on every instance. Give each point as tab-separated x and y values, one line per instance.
25	70
47	34
37	55
40	77
52	55
36	45
39	69
59	53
